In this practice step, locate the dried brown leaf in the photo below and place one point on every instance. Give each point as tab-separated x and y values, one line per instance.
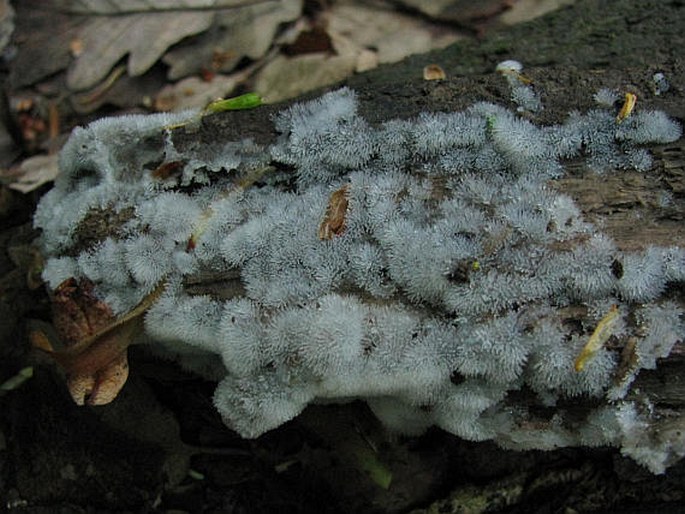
143	36
33	173
94	358
392	34
238	33
42	38
464	12
99	373
77	313
135	6
6	22
90	37
288	77
120	90
333	223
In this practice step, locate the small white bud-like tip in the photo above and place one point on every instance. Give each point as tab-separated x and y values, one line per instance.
509	66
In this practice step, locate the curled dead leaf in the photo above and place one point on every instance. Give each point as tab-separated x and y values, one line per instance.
99	388
603	331
77	313
333	223
94	357
32	173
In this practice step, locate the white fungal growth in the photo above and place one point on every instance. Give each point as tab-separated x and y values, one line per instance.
509	66
440	292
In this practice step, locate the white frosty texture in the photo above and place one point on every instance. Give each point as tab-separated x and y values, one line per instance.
443	294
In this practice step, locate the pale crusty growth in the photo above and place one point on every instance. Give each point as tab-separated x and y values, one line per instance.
438	292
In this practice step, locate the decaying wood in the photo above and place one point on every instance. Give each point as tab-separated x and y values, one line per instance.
636	210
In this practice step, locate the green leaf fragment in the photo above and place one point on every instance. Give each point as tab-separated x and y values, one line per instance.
246	101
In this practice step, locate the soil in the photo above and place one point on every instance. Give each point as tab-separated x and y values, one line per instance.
161	446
